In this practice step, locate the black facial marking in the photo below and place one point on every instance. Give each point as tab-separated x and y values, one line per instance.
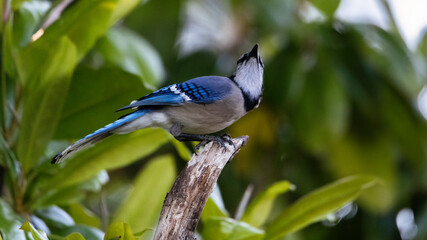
250	102
243	58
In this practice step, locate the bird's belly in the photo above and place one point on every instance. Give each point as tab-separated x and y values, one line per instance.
204	118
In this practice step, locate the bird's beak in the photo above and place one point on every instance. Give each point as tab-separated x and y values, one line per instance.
254	52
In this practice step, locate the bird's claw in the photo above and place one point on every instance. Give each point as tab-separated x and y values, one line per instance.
198	146
227	138
221	141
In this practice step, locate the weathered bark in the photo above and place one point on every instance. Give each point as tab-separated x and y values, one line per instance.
184	203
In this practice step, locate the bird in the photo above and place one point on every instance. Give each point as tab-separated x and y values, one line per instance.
191	110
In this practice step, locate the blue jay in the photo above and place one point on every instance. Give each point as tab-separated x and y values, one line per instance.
190	110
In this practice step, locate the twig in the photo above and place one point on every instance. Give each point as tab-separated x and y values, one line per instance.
55	13
244	202
184	203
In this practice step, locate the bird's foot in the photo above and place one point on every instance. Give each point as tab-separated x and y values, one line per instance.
220	140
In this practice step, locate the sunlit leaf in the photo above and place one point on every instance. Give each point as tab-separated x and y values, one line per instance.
316	205
83	23
181	148
37	234
122	8
113	152
214	207
26	19
17	3
55	216
326	6
142	234
82	215
57	195
89	233
133	54
141	208
119	231
43	103
260	208
93	97
10	222
223	228
74	236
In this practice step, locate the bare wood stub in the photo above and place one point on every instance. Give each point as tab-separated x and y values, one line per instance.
185	201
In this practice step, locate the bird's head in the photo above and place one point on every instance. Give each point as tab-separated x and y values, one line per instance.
249	74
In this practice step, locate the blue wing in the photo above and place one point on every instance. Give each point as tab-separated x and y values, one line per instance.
201	90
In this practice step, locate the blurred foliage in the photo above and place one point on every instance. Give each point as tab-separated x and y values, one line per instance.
340	106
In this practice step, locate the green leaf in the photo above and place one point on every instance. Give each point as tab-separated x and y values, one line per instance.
111	153
93	97
74	236
144	233
10	223
55	216
133	54
316	205
119	231
26	19
58	196
37	234
82	215
84	22
327	6
322	112
223	228
422	47
352	155
9	160
18	33
8	54
259	209
87	232
393	60
141	208
17	3
44	101
181	148
214	207
123	8
70	194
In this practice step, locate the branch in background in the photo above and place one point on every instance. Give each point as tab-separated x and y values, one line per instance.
244	202
55	13
184	203
6	11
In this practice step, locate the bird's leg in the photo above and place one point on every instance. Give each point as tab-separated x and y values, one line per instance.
203	139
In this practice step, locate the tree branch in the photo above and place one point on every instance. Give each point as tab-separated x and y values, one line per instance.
184	203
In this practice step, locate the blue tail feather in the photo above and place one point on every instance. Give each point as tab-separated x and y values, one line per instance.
98	135
118	123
